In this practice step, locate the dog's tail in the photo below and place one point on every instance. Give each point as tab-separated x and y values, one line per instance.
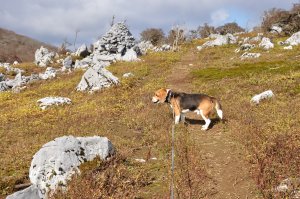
218	107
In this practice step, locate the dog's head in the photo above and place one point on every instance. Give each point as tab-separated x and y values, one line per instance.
160	95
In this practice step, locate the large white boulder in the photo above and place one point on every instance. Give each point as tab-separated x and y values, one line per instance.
294	40
145	46
51	101
96	78
266	43
43	57
219	40
55	163
130	56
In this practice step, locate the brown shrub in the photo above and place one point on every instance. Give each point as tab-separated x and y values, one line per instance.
206	30
231	28
155	35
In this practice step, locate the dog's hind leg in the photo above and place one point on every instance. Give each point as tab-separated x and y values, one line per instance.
182	117
206	119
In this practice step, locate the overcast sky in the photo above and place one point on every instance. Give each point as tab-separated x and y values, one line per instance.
52	21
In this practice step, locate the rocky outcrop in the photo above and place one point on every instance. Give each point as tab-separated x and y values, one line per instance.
96	78
55	163
9	68
116	41
144	46
130	56
266	43
43	57
294	40
53	101
219	41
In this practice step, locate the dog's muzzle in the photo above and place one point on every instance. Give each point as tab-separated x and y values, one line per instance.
154	100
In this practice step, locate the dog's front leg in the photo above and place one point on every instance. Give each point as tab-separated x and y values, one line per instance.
177	118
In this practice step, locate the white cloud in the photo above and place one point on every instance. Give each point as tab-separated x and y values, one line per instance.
53	20
219	16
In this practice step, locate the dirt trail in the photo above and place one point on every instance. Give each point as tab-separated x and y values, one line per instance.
220	153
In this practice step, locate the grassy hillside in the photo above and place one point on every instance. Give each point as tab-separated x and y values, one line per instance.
247	155
15	47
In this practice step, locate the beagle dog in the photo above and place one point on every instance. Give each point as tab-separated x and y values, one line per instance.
182	103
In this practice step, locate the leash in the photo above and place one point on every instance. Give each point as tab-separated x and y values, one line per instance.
172	165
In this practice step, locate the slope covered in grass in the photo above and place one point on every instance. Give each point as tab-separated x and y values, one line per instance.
266	137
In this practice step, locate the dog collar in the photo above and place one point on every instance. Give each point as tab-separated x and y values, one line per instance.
169	95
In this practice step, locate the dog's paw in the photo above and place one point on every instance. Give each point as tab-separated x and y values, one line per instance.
204	128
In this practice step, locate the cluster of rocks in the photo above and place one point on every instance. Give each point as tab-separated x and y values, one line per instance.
16	84
96	78
19	82
55	163
219	40
51	101
10	69
43	57
117	44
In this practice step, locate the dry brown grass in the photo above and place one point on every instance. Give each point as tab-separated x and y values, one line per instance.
268	134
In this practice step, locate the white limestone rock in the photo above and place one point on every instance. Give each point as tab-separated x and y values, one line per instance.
96	78
264	95
67	63
126	75
31	192
15	63
266	43
291	186
294	40
276	29
48	74
245	47
130	56
9	68
51	101
43	57
55	163
248	55
145	46
219	40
